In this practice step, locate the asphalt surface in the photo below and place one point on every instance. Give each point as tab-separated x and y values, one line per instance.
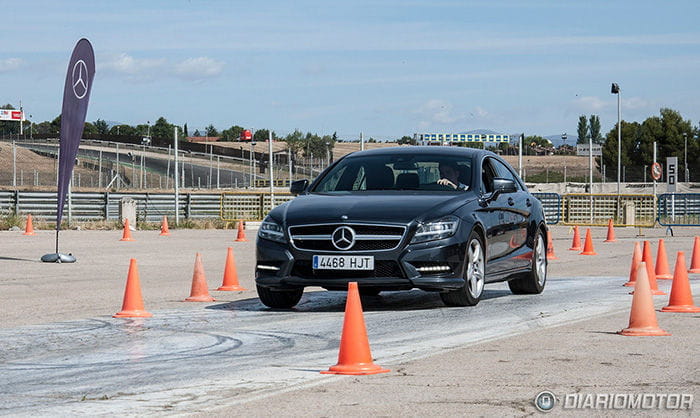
61	353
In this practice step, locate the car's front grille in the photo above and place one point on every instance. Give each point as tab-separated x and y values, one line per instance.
367	237
382	268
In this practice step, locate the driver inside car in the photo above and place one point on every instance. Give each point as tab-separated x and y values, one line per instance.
449	173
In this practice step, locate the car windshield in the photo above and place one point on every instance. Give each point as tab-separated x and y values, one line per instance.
398	172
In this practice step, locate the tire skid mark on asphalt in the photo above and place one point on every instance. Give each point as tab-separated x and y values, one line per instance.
187	358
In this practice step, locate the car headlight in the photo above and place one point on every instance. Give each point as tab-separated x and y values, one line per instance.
439	229
271	230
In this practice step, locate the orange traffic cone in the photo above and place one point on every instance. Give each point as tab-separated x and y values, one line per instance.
199	292
241	233
651	276
695	259
576	242
662	271
642	315
636	259
611	232
550	247
164	231
588	245
681	299
132	307
29	227
230	275
126	236
354	357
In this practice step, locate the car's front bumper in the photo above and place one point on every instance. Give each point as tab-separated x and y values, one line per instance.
280	266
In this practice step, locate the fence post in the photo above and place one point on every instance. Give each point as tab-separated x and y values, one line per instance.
188	208
106	211
16	206
262	206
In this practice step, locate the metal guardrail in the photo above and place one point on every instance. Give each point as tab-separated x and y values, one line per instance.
551	203
596	209
150	207
679	209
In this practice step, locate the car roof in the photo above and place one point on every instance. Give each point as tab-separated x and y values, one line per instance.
434	150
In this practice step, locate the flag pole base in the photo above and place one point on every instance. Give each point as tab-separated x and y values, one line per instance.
58	258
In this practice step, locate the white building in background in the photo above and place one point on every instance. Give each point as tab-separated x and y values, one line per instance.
473	136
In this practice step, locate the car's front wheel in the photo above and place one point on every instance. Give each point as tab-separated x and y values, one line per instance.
279	299
533	281
475	273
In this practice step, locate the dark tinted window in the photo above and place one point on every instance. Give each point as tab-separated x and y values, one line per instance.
503	172
395	172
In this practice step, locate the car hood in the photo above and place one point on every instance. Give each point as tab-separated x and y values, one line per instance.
399	207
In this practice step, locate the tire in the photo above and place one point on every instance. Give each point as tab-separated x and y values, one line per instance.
475	274
533	282
279	299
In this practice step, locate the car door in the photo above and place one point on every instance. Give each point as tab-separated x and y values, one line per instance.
493	213
517	217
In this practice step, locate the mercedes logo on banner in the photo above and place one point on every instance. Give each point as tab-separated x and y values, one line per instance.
343	238
80	83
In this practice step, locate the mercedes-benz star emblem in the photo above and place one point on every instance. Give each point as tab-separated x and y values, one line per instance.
343	238
80	83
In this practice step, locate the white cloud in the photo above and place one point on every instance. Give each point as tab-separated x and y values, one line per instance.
636	103
590	104
438	111
199	68
134	68
10	64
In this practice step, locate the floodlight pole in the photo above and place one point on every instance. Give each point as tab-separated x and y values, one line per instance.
520	156
272	181
685	157
177	183
615	89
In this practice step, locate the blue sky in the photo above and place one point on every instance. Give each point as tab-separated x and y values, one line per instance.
386	68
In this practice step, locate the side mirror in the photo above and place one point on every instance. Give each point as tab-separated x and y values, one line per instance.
298	187
501	185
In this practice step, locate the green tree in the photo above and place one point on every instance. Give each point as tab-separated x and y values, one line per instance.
122	130
594	127
196	133
667	130
8	127
44	127
233	133
632	150
101	126
162	128
582	130
56	124
89	129
262	135
184	130
211	131
295	142
406	140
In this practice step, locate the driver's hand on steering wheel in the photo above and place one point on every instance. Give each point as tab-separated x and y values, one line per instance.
446	182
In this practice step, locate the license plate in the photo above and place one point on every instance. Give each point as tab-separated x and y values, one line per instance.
343	262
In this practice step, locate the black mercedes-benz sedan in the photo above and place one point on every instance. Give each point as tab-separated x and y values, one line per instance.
442	219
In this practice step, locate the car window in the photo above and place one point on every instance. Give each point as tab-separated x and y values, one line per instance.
395	172
503	172
332	182
488	173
